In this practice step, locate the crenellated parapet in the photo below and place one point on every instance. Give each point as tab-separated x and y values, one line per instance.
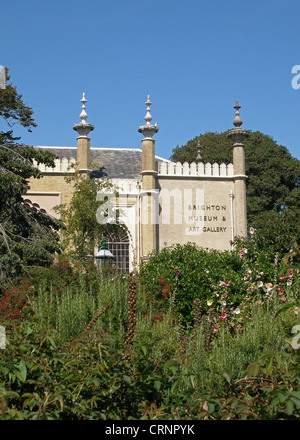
63	165
194	169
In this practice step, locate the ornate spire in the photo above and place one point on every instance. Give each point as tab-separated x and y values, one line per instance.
83	115
148	130
237	122
238	134
199	157
148	117
83	128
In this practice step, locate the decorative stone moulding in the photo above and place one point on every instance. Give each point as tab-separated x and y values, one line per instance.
61	165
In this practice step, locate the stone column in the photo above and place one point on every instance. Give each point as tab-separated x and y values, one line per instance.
83	141
237	134
149	193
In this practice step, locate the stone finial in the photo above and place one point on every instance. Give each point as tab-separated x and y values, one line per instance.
83	115
199	157
238	134
237	122
83	128
148	130
148	117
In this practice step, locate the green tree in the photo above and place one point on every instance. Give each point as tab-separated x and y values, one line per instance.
82	232
14	111
28	236
273	174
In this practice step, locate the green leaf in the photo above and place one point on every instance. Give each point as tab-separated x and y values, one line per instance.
296	402
144	349
296	394
173	368
157	385
282	397
96	381
274	402
290	407
226	377
253	369
23	371
211	408
127	379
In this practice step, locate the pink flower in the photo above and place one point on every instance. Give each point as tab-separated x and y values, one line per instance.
282	277
227	283
177	272
224	315
281	292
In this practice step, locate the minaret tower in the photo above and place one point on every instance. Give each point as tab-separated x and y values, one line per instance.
238	134
149	194
83	141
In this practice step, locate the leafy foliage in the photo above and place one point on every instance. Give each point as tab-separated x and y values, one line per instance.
14	111
28	236
227	280
82	233
192	272
171	373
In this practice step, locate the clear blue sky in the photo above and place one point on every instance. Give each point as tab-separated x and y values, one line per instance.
194	58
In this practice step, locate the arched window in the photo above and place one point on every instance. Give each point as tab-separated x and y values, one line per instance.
118	244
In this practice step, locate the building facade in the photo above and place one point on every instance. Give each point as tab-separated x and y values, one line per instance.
162	203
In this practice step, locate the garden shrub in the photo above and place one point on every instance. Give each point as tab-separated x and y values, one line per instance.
265	265
189	272
199	335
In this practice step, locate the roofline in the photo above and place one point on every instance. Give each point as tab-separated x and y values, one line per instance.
99	148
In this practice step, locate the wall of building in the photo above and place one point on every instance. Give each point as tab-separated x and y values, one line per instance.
50	190
196	210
